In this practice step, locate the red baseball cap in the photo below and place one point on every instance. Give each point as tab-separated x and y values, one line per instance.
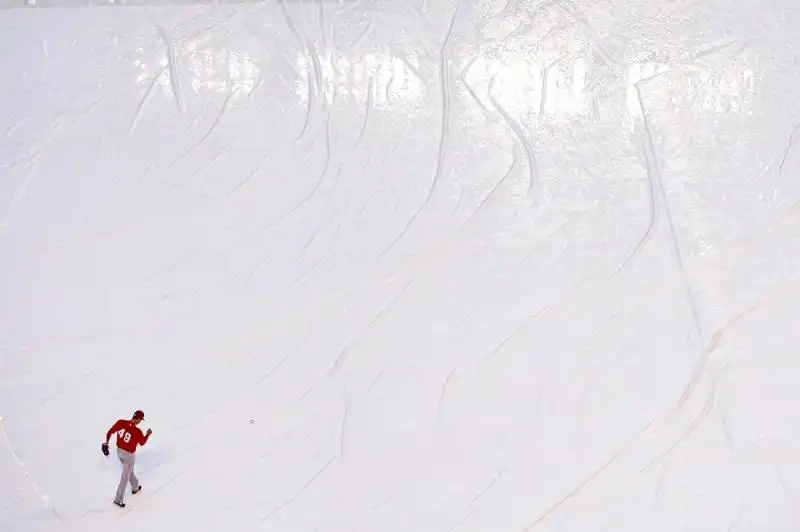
138	415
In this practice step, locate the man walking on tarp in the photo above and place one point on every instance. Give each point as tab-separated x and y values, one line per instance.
129	435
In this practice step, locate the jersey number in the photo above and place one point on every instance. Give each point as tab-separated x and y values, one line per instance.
125	435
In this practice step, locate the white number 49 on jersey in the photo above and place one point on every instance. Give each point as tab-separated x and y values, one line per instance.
124	434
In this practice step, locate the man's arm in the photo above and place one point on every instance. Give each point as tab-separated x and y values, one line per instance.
114	428
146	436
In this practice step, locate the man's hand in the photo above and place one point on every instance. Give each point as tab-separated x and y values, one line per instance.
149	432
104	448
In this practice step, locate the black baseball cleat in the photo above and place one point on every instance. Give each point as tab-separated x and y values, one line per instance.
137	490
120	504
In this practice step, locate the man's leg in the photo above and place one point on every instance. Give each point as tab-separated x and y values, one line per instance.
134	480
127	468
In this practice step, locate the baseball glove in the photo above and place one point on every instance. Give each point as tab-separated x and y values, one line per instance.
104	448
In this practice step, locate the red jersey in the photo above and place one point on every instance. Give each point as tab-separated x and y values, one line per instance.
128	435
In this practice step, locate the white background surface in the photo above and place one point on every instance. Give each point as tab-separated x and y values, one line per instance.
506	267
